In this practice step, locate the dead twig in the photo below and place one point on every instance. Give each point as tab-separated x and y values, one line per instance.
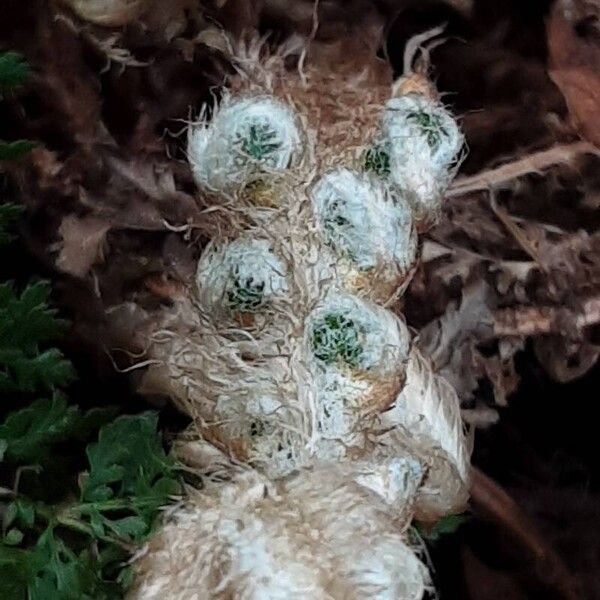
491	499
532	163
310	39
542	320
515	231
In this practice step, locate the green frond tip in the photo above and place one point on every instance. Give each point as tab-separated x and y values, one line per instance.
260	142
335	337
130	478
26	323
431	126
14	71
377	159
9	213
16	149
29	432
51	569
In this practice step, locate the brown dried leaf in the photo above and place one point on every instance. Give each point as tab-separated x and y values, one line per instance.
169	18
451	340
215	38
107	13
143	195
468	222
164	288
238	16
564	360
574	46
500	369
573	265
66	83
46	165
82	243
128	323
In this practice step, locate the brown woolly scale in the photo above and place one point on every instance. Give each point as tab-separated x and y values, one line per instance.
307	395
342	105
414	83
289	405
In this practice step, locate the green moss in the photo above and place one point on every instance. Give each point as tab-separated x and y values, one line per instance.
431	126
377	159
335	337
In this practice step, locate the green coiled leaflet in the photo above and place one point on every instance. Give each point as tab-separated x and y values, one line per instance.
431	126
336	337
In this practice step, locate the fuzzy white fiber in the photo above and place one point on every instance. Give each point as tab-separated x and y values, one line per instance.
316	535
423	141
248	408
426	417
245	139
395	479
372	235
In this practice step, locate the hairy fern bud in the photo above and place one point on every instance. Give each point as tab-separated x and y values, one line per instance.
247	141
370	233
